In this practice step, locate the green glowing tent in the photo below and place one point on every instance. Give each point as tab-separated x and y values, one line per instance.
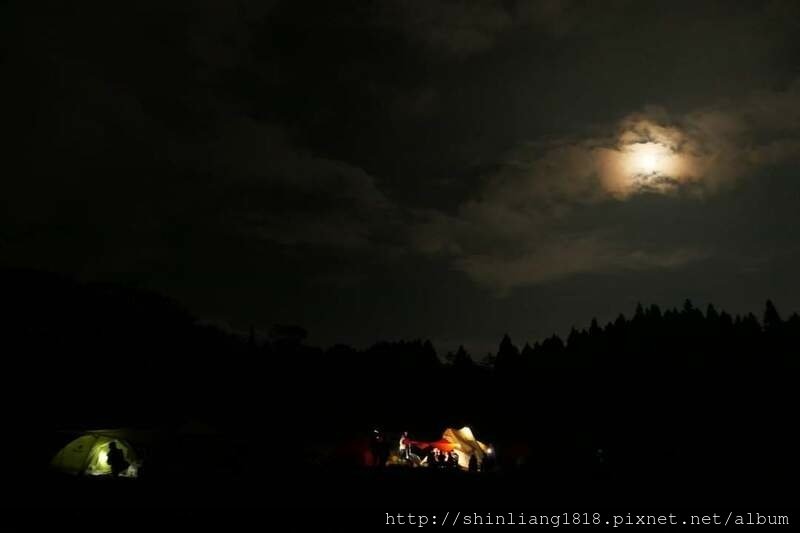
88	455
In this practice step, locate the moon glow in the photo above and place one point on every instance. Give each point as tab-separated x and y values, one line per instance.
648	159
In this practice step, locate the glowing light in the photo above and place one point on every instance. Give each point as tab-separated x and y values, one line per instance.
648	158
102	458
649	162
466	432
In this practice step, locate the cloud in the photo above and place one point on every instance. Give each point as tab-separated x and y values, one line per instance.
169	131
272	190
458	29
231	115
544	213
452	28
558	259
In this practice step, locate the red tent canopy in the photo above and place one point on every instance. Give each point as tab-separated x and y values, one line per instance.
442	444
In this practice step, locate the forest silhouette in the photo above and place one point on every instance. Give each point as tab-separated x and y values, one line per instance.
661	394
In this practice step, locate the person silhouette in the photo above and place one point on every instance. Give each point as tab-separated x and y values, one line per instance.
377	448
473	463
405	446
445	460
431	457
453	459
116	459
441	457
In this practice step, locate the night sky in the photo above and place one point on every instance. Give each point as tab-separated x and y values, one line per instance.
397	169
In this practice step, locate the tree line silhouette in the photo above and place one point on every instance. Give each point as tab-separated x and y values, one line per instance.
663	388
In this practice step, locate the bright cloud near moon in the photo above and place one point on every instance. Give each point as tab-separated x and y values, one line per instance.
647	158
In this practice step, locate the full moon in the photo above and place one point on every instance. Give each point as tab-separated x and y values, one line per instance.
648	158
649	163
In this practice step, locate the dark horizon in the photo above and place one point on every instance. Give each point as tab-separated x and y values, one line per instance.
29	277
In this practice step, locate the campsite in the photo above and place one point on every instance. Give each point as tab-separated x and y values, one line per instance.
209	478
196	466
206	418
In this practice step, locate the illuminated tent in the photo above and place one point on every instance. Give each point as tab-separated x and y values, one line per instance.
88	455
463	442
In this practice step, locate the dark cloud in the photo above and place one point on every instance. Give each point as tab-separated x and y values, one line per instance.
452	28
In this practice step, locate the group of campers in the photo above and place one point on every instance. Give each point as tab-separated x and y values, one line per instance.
435	457
443	459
